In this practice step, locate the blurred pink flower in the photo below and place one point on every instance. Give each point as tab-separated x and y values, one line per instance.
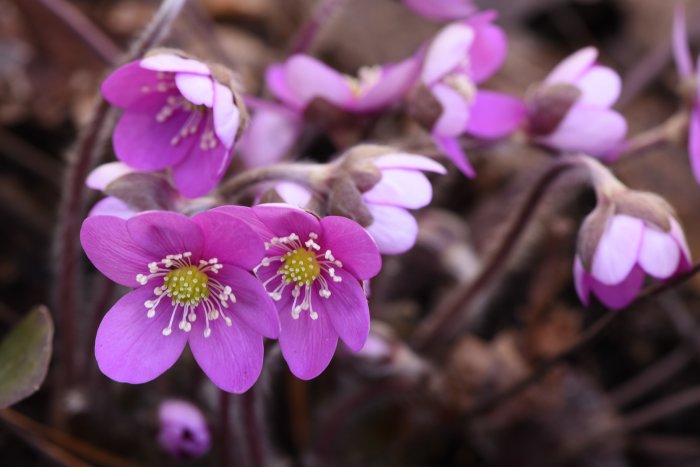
176	115
183	430
461	56
570	110
442	10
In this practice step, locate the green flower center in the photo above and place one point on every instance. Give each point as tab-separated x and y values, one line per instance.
187	285
299	267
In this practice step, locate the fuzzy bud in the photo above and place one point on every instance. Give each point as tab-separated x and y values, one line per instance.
183	430
344	199
547	105
424	107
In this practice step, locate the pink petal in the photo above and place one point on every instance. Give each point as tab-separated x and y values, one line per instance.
401	160
229	240
590	130
659	254
294	194
494	115
679	236
600	87
455	111
226	115
446	51
348	310
308	78
404	188
622	294
488	52
581	281
694	142
109	246
269	137
282	220
248	216
105	174
130	347
201	170
253	306
134	88
163	233
681	51
231	356
575	65
276	80
394	229
393	83
442	10
111	206
197	89
307	345
143	143
174	64
352	245
618	249
453	150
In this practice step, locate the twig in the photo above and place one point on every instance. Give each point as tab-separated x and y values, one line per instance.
667	132
224	429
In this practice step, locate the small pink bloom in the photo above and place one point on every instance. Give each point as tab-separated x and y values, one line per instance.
313	270
183	430
442	10
176	115
571	109
271	133
193	283
462	55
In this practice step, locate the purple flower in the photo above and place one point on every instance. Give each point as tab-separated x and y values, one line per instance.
183	430
192	283
461	56
271	133
302	79
176	115
570	110
313	270
621	240
442	10
684	65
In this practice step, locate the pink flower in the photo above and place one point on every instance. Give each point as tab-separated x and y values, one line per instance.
183	430
570	110
302	79
461	56
442	10
684	65
621	240
193	283
98	179
313	270
176	115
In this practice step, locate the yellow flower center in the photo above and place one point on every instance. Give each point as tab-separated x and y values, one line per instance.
299	267
187	285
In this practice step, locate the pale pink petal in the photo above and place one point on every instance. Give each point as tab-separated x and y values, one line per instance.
394	229
679	236
622	294
659	254
352	245
226	115
488	52
130	347
231	356
229	240
135	88
402	160
197	89
694	142
308	78
494	115
174	64
446	51
442	10
294	194
269	136
618	249
404	188
111	206
163	233
348	310
276	80
105	174
395	80
581	281
600	86
453	150
455	111
681	51
573	67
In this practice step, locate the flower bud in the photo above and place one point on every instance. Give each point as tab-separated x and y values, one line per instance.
547	105
345	199
183	430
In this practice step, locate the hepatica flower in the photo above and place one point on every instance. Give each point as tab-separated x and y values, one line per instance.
193	283
571	109
313	270
183	433
449	104
179	113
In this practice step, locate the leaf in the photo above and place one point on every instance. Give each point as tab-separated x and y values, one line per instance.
24	356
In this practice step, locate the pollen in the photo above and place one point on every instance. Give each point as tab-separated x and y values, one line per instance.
299	267
187	285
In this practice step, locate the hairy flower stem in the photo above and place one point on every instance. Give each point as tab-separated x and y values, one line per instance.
253	432
309	175
671	131
322	13
85	155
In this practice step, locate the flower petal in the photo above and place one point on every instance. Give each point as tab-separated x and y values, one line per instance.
348	310
622	294
488	52
269	136
404	188
276	81
600	87
453	150
163	233
109	246
401	160
282	220
446	51
231	356
681	51
679	236
494	115
659	254
581	281
253	306
248	216
201	170
133	87
226	115
105	174
352	245
394	229
308	78
572	67
197	89
694	142
294	194
618	249
174	64
130	347
111	206
395	80
230	240
442	10
455	111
